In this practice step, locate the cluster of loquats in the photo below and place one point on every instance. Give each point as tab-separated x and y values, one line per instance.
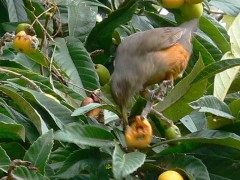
189	9
25	41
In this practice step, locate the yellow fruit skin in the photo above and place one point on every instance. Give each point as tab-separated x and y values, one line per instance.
25	43
139	134
191	11
170	175
193	1
171	4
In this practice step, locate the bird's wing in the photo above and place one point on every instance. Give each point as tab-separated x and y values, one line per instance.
152	40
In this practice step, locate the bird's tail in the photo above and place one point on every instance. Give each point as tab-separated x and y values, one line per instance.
191	25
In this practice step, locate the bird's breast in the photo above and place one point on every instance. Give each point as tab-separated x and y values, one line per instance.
167	64
178	58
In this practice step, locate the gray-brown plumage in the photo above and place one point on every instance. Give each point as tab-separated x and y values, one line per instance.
150	57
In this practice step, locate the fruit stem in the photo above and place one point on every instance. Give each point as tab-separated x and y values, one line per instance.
157	94
96	52
33	84
162	117
43	41
36	20
213	12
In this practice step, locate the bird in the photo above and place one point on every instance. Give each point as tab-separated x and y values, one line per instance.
150	57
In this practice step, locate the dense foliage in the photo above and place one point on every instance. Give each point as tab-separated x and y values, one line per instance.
41	118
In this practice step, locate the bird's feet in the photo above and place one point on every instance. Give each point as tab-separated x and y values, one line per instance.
157	94
160	92
147	109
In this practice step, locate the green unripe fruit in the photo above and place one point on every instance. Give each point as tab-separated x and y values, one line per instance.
25	27
103	74
116	38
191	11
172	132
193	1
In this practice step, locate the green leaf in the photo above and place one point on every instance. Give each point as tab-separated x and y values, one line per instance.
5	160
27	63
191	165
31	131
16	11
212	51
158	20
235	108
75	162
34	9
198	47
178	98
60	155
89	160
12	131
215	177
60	114
81	19
45	84
3	18
195	121
227	21
125	164
24	173
209	136
140	23
101	35
87	2
63	58
181	107
223	80
39	152
215	31
39	58
234	88
84	109
6	119
212	105
85	135
234	37
109	116
219	161
230	7
215	68
75	61
14	150
83	63
27	108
